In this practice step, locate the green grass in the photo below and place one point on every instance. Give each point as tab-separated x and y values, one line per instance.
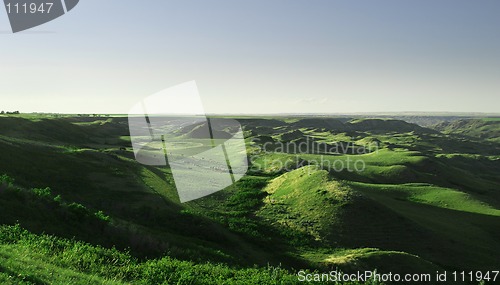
382	157
328	137
491	119
432	195
20	265
445	217
26	258
384	165
424	200
368	258
274	163
487	129
308	201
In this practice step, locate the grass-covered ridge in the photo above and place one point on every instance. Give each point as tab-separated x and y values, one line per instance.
27	258
424	200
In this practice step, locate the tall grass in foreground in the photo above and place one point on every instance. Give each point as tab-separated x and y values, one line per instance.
81	263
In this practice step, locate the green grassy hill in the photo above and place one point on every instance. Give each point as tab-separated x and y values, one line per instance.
485	128
392	196
26	258
412	217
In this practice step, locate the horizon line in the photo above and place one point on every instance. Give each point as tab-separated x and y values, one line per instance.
402	113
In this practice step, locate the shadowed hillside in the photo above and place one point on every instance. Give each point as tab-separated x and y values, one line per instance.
320	193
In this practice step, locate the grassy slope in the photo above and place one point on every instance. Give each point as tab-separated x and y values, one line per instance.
486	128
141	201
411	200
26	258
413	217
450	220
467	228
307	200
21	266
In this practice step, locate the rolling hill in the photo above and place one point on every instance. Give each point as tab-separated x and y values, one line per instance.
388	195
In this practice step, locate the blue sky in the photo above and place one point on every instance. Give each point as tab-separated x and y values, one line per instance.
259	56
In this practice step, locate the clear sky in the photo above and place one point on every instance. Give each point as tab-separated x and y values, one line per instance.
266	56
